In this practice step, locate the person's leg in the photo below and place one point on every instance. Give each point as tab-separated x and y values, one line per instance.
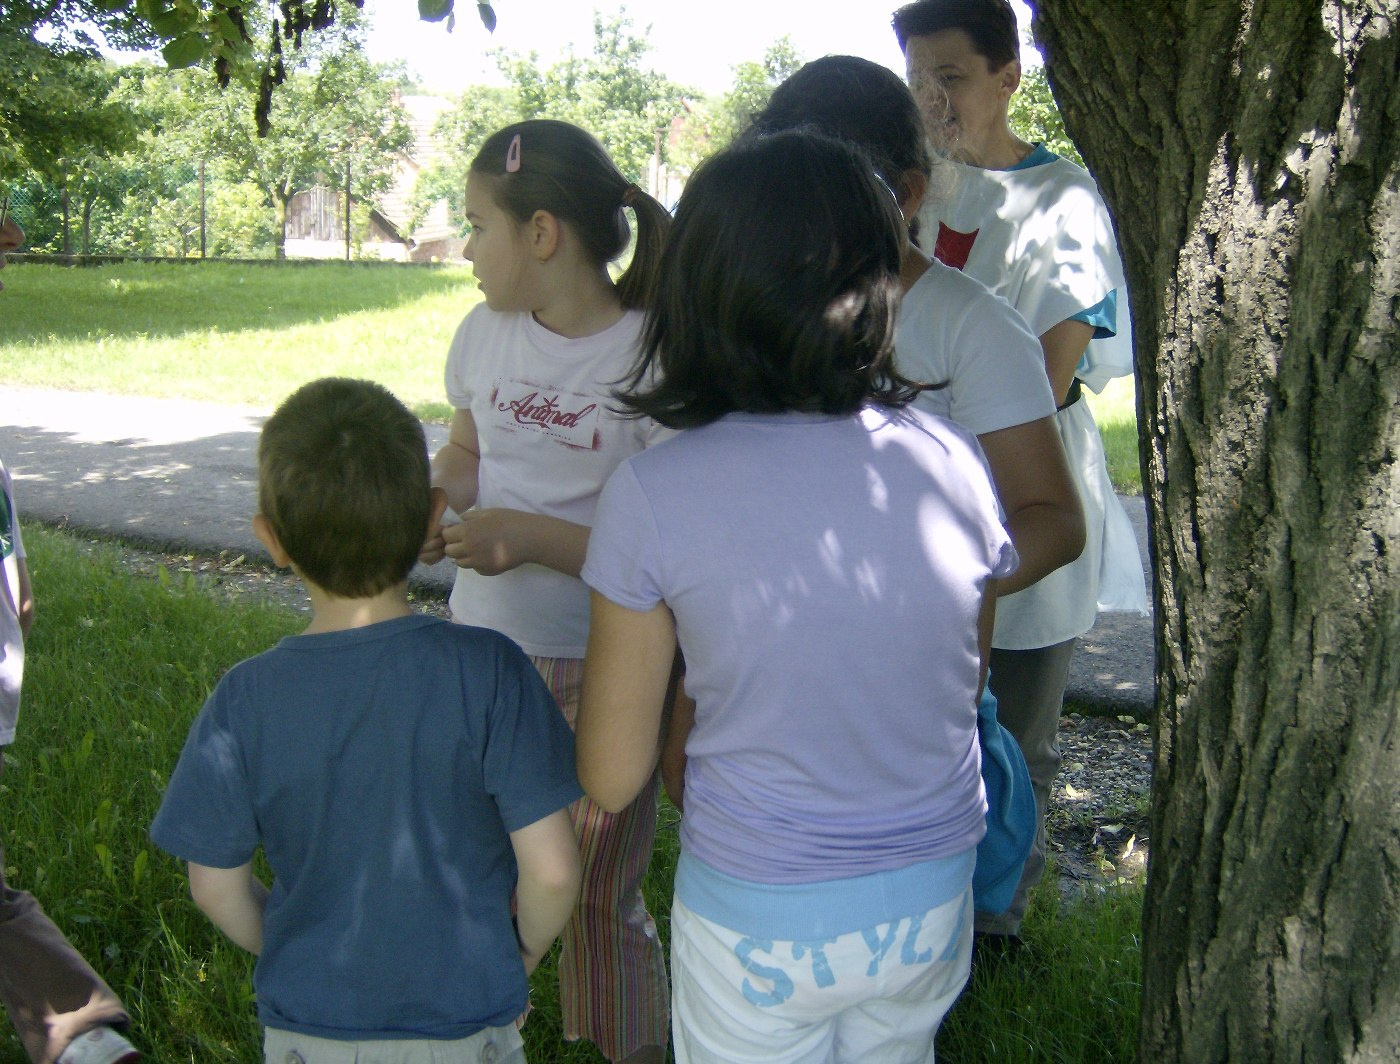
1030	687
51	994
612	973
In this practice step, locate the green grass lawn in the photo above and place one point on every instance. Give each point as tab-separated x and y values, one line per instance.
118	665
233	333
236	333
1116	413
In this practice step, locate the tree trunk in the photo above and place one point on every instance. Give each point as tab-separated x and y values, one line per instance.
280	199
89	202
1249	153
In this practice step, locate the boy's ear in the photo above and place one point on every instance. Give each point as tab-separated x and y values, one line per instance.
262	528
1009	78
543	233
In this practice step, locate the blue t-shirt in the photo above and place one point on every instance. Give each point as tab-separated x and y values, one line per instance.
381	769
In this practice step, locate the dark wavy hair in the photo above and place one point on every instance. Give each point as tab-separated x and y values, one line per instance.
857	101
990	23
562	169
779	287
343	480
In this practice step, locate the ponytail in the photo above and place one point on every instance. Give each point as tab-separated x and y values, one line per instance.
636	288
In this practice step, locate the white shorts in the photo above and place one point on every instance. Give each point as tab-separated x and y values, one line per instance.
873	995
492	1045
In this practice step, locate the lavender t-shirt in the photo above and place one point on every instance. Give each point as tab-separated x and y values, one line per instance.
825	574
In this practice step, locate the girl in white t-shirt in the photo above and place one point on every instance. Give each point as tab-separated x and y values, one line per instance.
530	374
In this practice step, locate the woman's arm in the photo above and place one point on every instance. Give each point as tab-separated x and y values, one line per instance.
25	605
626	672
680	720
1043	514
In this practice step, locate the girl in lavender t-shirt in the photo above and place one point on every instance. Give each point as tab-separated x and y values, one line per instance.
820	551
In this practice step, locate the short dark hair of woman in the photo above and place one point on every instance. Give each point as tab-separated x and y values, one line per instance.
778	290
857	101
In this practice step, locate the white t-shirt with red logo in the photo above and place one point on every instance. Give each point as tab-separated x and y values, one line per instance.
550	436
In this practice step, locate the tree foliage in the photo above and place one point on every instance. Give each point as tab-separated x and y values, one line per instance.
611	91
335	105
54	104
1035	116
143	195
754	82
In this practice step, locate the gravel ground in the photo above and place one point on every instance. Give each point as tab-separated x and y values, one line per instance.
1098	820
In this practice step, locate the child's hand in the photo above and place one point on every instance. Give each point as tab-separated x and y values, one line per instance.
490	541
434	548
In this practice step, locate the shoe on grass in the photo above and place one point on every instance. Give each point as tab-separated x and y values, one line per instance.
101	1045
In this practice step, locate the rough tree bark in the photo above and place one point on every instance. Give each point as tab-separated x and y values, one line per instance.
1248	150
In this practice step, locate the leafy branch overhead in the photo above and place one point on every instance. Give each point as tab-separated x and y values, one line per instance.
218	31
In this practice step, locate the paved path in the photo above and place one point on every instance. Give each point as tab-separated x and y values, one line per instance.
179	474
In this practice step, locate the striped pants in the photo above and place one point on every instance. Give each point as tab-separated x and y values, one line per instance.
612	973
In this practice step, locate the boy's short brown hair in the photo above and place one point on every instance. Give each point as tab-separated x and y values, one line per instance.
343	480
990	23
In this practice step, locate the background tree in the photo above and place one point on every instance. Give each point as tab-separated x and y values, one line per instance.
479	111
1035	117
754	82
612	92
54	105
335	105
1249	153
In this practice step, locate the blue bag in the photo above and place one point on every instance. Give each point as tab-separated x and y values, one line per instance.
1002	853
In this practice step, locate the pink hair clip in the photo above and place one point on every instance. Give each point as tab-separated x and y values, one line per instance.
513	155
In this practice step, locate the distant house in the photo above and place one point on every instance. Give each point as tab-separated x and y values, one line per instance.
316	217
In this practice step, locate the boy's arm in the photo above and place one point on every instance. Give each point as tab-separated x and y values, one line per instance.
1064	345
546	854
234	899
26	598
626	671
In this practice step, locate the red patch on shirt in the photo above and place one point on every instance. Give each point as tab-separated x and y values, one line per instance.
952	248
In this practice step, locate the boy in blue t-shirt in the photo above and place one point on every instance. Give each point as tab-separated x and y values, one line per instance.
408	779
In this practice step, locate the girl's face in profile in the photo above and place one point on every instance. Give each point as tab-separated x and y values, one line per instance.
497	248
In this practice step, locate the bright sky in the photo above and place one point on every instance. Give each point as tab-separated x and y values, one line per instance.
694	42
